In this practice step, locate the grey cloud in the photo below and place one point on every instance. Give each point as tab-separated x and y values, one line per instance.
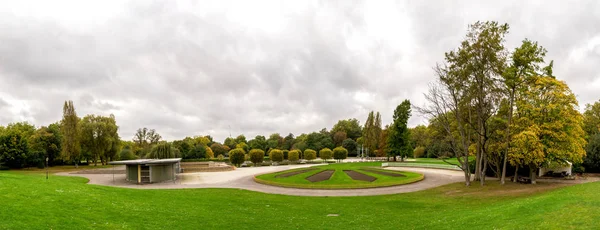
184	73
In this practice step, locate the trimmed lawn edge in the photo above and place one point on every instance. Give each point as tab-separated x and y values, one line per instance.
334	187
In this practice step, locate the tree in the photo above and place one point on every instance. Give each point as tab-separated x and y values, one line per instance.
325	154
256	156
237	156
525	60
591	118
240	139
71	149
288	142
14	149
548	115
243	145
196	152
218	149
351	127
592	159
274	141
209	153
351	146
419	152
339	137
294	155
340	153
310	154
276	155
259	142
419	136
46	142
99	136
145	138
162	150
399	137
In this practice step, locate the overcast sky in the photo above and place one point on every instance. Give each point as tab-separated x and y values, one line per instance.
258	67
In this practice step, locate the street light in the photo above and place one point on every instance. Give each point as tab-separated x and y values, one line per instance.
46	168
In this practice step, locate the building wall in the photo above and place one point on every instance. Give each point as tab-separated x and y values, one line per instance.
132	173
159	173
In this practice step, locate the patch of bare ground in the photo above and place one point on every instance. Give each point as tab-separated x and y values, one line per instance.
494	189
284	175
384	172
321	176
359	176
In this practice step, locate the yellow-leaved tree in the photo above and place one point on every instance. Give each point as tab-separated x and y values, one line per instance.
549	127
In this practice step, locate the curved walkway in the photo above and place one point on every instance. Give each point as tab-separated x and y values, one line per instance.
243	178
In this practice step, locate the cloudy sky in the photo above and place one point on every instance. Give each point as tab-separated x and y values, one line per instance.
190	68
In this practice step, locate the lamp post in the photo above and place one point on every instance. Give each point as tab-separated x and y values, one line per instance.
46	168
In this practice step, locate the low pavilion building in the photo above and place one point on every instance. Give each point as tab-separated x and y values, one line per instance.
145	171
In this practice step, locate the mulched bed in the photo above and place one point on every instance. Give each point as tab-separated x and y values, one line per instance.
380	172
359	176
293	173
321	176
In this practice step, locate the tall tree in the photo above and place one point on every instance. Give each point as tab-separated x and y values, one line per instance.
145	138
525	62
259	142
47	142
351	127
399	137
99	137
71	149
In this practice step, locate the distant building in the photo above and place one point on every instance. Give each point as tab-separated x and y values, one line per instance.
144	171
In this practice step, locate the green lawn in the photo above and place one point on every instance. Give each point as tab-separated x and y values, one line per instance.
339	179
28	201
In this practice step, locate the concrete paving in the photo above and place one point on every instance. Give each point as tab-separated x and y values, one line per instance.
243	178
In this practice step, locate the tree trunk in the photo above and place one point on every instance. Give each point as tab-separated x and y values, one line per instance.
510	112
483	169
533	174
516	176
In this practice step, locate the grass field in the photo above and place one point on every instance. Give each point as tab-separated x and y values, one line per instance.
339	180
28	201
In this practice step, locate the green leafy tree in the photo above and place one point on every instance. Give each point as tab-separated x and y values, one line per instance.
276	155
259	142
162	150
338	138
351	127
592	159
310	154
340	153
14	149
230	142
351	146
294	155
591	118
99	136
145	139
399	137
256	156
219	149
46	142
325	154
237	157
71	149
196	152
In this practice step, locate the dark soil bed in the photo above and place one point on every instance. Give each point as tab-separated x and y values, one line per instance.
359	176
284	175
380	172
321	176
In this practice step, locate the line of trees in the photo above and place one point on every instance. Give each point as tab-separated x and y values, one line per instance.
500	107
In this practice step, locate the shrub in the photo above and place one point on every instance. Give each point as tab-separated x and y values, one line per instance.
236	156
340	153
310	154
276	155
294	155
285	154
256	156
419	152
351	146
220	157
209	153
196	152
325	154
127	154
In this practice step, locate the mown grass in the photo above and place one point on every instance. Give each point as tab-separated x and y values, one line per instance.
28	201
339	179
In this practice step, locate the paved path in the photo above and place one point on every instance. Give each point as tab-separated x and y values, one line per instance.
243	178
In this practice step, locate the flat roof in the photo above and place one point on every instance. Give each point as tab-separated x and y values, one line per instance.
146	161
